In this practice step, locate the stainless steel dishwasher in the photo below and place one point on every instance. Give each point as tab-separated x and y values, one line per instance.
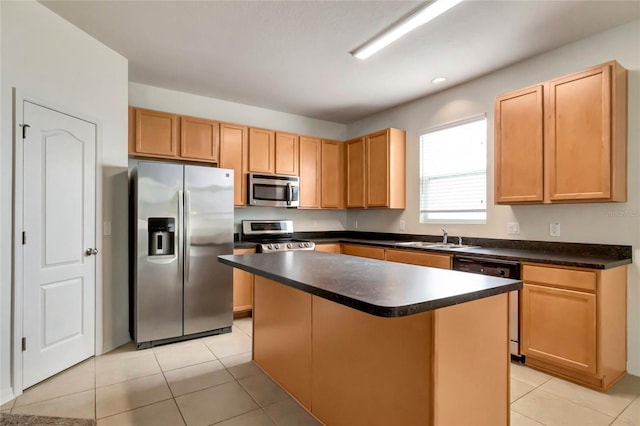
498	268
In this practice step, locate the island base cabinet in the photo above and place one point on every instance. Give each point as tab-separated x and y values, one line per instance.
370	370
444	367
282	336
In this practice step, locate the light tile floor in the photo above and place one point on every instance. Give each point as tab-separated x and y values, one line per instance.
213	381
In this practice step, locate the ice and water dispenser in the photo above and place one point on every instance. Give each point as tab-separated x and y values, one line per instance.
162	232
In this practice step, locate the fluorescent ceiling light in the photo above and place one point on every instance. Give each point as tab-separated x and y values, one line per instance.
418	17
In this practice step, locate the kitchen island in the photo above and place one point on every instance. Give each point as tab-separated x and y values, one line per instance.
365	342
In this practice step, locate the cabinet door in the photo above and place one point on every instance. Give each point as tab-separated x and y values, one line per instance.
309	172
199	139
579	136
441	261
363	251
329	248
286	154
234	155
377	169
559	326
156	133
355	173
262	151
332	176
518	136
242	286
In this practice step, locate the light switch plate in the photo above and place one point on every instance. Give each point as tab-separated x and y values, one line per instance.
355	224
107	228
402	225
513	228
554	229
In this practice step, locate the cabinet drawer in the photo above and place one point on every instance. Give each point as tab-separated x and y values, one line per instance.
568	278
363	251
422	259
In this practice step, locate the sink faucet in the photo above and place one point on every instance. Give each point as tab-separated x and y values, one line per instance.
459	241
445	234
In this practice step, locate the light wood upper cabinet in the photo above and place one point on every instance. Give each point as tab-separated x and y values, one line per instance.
356	172
286	154
262	151
519	138
582	151
310	157
574	322
332	175
199	139
587	135
155	133
376	170
234	155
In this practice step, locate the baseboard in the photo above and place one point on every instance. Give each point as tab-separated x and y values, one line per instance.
6	395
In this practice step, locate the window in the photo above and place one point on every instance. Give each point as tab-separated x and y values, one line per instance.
453	173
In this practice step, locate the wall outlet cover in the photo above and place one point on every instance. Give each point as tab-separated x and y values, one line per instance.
554	229
355	224
513	228
402	225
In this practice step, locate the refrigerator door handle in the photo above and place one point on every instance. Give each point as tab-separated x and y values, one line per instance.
180	231
187	232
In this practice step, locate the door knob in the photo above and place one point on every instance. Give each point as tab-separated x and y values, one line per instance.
91	251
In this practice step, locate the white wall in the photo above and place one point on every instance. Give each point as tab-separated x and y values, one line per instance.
47	58
608	223
144	96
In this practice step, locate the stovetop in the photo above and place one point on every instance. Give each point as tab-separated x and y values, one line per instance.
273	235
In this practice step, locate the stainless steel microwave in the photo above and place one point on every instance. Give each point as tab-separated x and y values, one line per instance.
273	190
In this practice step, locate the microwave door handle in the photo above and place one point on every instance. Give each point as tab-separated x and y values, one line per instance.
289	194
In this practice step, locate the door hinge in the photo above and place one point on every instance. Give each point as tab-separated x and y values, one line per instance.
24	130
24	344
24	238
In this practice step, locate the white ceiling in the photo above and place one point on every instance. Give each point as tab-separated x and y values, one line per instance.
292	56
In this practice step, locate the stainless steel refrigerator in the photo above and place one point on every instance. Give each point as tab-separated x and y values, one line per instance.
182	219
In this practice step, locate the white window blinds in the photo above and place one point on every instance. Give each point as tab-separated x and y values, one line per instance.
453	173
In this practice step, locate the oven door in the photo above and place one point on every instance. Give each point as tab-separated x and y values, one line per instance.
273	190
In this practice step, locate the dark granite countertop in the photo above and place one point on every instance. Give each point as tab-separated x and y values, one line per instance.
590	256
386	289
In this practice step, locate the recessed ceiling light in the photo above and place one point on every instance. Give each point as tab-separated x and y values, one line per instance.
419	16
438	80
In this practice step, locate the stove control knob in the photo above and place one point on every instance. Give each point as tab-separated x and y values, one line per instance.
269	246
307	244
276	246
289	246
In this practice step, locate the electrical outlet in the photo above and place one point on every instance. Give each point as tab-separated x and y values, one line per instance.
513	228
402	225
554	229
355	224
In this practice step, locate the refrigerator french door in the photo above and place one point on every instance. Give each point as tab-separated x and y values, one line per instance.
183	220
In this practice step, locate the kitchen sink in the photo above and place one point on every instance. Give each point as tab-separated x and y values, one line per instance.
432	245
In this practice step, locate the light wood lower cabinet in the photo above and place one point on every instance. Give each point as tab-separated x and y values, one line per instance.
363	251
242	288
442	261
329	248
574	323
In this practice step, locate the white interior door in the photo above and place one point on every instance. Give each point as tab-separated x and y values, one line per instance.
58	169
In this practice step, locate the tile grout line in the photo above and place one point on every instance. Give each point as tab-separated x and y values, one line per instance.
173	397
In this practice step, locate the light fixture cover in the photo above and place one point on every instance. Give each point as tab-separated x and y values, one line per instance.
418	17
438	80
